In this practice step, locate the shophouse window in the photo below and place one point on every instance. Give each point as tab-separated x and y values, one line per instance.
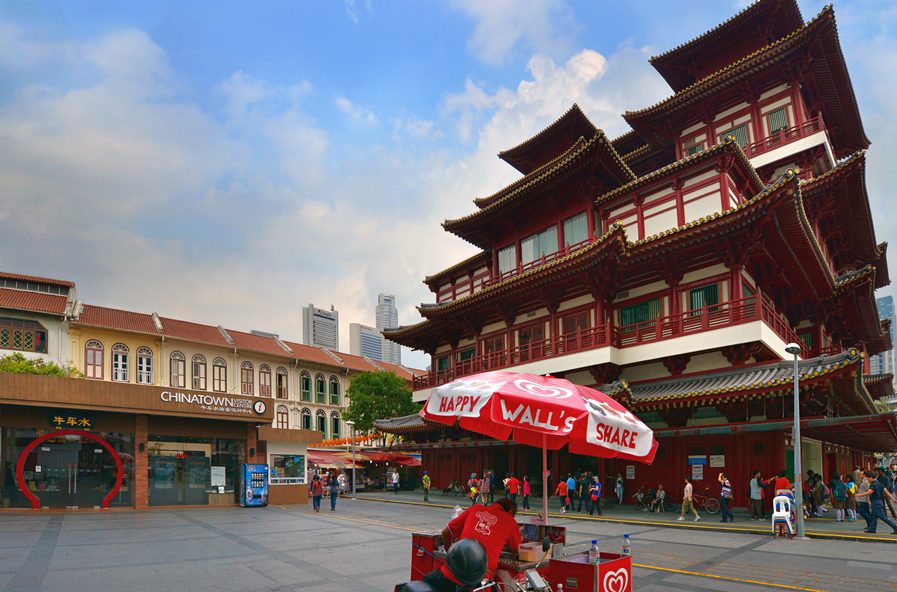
219	375
639	315
321	421
281	383
334	390
199	372
305	386
334	425
282	418
93	359
22	335
698	298
264	380
247	378
144	365
740	133
696	148
538	245
306	418
507	259
120	362
576	229
320	389
778	120
177	365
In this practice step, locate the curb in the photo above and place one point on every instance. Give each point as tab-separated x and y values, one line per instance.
823	535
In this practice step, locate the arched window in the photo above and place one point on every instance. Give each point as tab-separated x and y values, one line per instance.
264	380
144	365
306	418
199	372
120	359
178	368
334	425
320	389
281	382
93	359
305	385
334	390
321	421
247	378
282	418
219	375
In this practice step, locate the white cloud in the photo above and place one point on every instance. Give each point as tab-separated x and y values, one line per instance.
354	13
355	112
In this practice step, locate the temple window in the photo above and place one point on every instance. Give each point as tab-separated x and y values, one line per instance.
806	336
778	120
574	323
467	354
642	312
442	364
507	259
538	245
740	133
576	229
698	298
696	148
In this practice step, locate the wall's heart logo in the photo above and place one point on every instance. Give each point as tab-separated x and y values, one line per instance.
542	390
616	581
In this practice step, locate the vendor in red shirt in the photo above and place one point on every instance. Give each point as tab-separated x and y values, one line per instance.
493	527
781	485
513	487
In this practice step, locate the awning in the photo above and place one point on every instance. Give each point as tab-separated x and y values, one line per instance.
342	458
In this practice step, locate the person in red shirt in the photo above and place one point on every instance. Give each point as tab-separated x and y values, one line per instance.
513	488
562	491
493	527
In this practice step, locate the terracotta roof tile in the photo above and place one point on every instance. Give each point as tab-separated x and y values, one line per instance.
311	353
32	301
193	332
36	279
257	343
112	318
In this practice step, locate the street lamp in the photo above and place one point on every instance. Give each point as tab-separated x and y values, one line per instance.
351	425
795	349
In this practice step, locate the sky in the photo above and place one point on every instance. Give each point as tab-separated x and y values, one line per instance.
231	162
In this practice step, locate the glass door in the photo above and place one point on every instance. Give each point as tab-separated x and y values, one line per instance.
53	475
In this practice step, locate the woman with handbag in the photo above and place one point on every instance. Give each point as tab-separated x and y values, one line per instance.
725	497
595	496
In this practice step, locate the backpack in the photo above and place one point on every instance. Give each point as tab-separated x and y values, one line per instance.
840	492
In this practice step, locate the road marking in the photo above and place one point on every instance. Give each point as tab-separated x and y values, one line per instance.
641	565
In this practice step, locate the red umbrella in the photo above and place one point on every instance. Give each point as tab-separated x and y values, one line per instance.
545	412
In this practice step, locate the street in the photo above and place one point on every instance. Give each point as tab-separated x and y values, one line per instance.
365	546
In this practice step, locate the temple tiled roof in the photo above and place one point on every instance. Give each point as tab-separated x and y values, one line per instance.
573	118
405	424
880	386
446	273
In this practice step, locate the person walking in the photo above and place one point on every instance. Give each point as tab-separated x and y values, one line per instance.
863	501
334	490
882	475
583	487
725	497
425	481
618	489
571	489
395	481
851	498
317	490
595	496
756	496
839	496
562	491
485	489
513	487
688	504
877	495
527	489
491	479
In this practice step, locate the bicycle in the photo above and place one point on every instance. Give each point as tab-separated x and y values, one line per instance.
710	505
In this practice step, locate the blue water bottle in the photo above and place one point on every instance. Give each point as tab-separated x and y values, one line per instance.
594	555
627	546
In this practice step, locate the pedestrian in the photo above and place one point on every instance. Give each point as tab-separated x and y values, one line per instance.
395	481
595	496
851	487
571	488
527	491
817	494
484	488
317	490
688	504
513	487
504	483
863	501
561	491
425	481
725	497
618	489
334	490
491	487
839	496
583	486
756	496
857	475
877	495
885	478
473	488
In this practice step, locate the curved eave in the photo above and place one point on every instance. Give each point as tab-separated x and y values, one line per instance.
843	118
573	119
855	296
406	333
880	386
479	258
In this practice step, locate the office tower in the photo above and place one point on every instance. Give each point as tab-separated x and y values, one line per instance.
388	318
320	327
884	362
365	341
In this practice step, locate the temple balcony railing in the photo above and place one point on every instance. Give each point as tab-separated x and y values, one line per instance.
788	141
692	322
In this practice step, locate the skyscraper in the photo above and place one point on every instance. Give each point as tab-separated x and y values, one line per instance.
365	341
320	327
885	362
388	318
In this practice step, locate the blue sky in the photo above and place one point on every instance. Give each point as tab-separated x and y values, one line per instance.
230	162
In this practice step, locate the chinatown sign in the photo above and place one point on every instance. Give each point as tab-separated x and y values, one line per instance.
215	403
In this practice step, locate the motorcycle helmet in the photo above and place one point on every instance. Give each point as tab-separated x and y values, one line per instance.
467	561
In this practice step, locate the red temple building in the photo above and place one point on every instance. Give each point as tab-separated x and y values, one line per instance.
669	268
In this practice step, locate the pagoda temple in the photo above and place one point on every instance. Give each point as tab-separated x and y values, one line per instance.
669	268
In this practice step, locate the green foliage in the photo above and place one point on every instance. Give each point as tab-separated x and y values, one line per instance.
18	364
377	395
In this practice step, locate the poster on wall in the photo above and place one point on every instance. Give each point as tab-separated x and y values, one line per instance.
697	472
630	471
218	477
717	460
697	459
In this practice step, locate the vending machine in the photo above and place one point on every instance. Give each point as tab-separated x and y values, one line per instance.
253	485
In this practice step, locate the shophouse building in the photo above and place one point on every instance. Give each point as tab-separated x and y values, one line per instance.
671	266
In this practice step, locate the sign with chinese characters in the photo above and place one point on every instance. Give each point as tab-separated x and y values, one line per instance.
71	420
216	403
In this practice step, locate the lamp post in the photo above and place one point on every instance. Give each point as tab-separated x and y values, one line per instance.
351	425
794	349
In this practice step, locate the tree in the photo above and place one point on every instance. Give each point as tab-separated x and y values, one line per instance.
18	364
377	395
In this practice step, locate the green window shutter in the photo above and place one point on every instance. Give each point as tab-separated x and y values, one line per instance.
467	354
695	149
698	298
442	364
640	313
740	133
778	120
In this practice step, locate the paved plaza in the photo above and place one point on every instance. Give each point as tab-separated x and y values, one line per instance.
365	546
